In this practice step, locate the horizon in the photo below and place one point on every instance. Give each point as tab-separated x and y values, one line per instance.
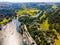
29	2
21	1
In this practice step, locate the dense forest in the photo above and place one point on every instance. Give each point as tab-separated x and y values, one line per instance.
44	29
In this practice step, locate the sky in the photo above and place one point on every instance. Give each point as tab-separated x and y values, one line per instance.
29	0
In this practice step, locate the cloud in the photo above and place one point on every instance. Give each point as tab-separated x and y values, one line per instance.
30	1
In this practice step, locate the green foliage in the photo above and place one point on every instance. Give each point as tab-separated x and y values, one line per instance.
54	6
4	21
43	16
44	25
47	21
29	12
52	17
54	21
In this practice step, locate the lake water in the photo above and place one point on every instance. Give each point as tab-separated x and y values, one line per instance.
17	24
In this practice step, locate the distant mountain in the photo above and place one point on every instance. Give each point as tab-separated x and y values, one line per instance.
17	6
9	9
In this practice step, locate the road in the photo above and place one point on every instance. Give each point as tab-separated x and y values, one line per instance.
27	37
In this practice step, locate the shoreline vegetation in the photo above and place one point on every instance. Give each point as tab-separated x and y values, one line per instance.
41	30
45	29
